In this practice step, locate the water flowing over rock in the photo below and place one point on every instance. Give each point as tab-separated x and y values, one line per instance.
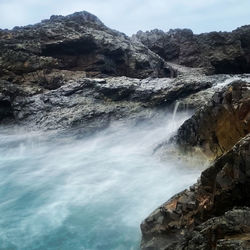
93	103
69	100
217	52
189	219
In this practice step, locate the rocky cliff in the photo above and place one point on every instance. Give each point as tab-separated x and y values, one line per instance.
78	42
205	215
217	52
189	220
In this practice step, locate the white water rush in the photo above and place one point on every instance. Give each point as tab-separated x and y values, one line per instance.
88	193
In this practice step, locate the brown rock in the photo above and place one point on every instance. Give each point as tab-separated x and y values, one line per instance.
216	127
188	221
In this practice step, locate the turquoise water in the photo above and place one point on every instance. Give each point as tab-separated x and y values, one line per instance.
63	192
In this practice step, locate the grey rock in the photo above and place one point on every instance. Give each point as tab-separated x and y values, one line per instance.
94	103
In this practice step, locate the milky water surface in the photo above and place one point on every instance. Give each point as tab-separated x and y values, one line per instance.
63	192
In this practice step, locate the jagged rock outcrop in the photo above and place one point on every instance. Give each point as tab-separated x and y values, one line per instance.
217	52
66	99
216	127
92	103
78	42
189	219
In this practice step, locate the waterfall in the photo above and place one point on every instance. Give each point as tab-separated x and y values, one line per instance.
177	103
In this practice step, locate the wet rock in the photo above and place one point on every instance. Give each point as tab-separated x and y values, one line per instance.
190	218
66	99
216	127
93	103
229	231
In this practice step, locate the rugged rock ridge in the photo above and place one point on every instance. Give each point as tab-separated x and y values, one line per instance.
217	52
92	103
38	62
69	100
217	126
186	220
189	220
78	42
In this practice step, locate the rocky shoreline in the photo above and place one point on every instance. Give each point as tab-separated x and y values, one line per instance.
74	72
189	220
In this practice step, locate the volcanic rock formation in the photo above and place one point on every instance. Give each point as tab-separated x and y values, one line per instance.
218	52
221	123
78	42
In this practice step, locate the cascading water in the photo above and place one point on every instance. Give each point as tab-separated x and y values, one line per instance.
176	106
89	193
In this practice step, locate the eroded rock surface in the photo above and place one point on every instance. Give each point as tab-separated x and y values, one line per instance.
216	127
78	42
68	99
189	219
217	52
91	102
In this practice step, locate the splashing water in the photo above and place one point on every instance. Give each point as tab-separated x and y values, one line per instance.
89	193
227	81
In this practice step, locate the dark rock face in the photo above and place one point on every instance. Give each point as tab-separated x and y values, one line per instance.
8	92
63	99
216	127
230	231
186	220
78	42
218	52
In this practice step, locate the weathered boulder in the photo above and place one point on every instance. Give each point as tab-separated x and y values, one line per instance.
77	42
217	52
201	98
216	127
186	220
